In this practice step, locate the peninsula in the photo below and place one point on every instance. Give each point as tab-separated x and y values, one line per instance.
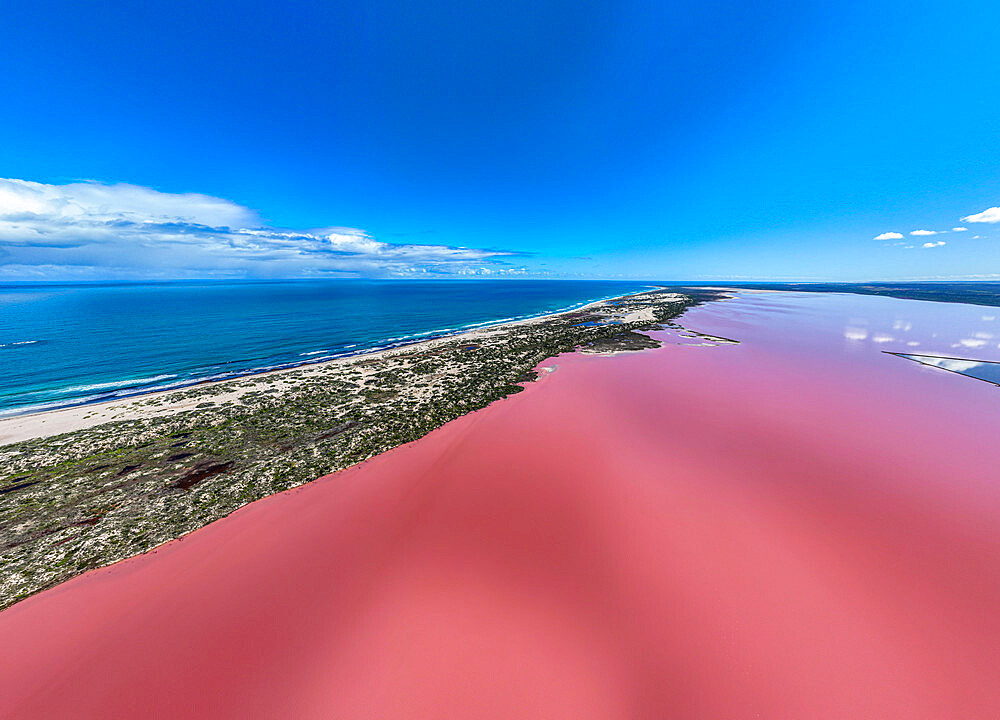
87	486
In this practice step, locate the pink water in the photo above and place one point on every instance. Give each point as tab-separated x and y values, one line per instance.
798	526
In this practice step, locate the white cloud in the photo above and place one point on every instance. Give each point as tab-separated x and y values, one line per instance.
939	243
959	229
990	215
93	230
923	232
90	202
889	236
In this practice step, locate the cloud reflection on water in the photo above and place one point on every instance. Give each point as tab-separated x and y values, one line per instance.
977	369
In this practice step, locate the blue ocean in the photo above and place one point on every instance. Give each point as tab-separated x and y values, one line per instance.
63	345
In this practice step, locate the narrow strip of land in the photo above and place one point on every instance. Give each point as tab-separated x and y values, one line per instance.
88	486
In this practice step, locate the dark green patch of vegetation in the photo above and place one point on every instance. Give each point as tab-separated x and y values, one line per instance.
628	340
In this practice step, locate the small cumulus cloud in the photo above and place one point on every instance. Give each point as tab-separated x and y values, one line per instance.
959	229
91	230
889	236
939	243
990	215
923	232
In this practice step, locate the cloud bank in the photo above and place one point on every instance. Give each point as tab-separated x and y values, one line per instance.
90	230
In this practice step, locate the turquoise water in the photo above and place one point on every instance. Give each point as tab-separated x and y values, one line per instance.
63	345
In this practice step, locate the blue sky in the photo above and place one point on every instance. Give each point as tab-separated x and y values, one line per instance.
656	140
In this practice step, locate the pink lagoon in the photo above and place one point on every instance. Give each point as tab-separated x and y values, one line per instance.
797	524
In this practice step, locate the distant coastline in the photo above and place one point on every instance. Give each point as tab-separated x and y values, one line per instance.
970	292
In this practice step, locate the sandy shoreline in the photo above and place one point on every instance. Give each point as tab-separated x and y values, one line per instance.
47	423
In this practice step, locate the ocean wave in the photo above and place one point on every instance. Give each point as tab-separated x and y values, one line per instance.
43	407
19	343
121	392
113	385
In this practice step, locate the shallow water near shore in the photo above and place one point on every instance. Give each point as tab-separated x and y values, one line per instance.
799	525
63	345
